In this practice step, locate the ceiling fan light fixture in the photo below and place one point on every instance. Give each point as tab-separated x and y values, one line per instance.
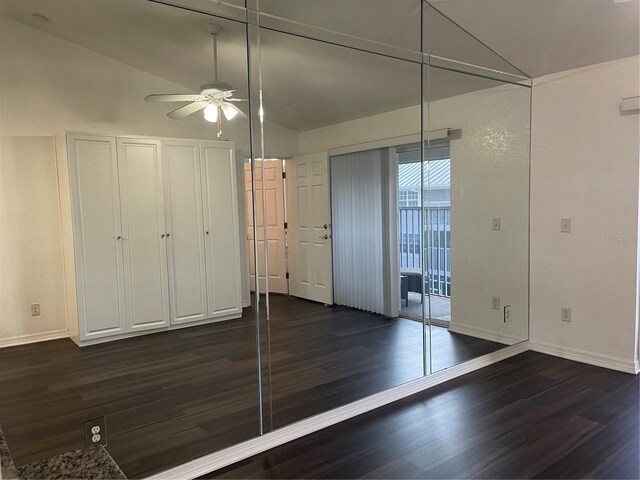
230	111
211	113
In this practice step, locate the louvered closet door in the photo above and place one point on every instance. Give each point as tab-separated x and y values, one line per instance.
221	221
183	207
97	235
143	231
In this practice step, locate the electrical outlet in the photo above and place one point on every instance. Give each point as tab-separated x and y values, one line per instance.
565	225
496	224
507	313
35	309
495	303
95	432
565	314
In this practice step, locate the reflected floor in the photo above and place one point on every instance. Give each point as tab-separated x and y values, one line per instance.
174	396
440	307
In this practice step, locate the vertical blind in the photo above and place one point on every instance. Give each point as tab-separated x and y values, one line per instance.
356	211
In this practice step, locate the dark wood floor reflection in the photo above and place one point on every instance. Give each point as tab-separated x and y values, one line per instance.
173	396
531	416
322	357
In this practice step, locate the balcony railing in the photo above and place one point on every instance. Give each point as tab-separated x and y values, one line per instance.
436	246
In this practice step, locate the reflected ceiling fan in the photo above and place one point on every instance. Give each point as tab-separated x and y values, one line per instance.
213	98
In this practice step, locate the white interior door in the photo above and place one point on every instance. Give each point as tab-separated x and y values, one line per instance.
97	235
309	233
222	234
185	223
143	231
273	204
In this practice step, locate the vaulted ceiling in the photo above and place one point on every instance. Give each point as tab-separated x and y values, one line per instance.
323	84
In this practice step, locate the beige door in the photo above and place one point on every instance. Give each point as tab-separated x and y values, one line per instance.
309	234
273	208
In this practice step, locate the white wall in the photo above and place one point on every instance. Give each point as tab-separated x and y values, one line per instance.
51	86
30	242
490	178
585	166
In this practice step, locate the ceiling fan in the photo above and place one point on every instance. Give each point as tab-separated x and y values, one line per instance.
214	96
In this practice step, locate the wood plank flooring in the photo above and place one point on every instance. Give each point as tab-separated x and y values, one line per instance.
531	416
173	396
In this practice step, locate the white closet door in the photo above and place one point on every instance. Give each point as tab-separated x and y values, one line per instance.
183	207
97	235
221	221
143	231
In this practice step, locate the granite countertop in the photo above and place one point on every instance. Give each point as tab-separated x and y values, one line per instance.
6	461
89	463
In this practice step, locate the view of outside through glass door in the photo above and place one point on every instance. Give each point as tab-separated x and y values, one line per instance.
436	222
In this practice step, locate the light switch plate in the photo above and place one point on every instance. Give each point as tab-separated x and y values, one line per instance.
495	303
496	224
35	309
565	225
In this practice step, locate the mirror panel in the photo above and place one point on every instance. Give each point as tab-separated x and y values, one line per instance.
336	323
393	23
168	250
476	190
450	46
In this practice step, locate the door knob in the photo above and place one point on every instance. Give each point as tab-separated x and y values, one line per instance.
162	236
325	226
325	236
168	235
118	238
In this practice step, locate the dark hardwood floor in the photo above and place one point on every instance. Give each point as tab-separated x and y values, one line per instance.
173	396
531	416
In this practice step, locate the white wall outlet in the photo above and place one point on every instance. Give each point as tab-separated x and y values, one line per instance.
565	314
565	225
95	431
35	309
496	224
495	303
507	313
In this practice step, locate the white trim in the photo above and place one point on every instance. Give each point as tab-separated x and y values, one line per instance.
484	333
575	354
389	142
235	453
33	338
138	333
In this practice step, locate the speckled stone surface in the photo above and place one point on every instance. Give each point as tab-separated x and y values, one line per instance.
91	463
9	471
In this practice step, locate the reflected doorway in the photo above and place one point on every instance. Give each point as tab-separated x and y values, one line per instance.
270	211
431	186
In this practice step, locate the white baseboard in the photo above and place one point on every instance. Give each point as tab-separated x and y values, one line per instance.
484	333
235	453
33	338
599	360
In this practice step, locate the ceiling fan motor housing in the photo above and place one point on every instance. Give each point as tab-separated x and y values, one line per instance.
213	88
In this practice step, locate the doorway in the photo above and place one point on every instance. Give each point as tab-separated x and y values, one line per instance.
425	190
270	213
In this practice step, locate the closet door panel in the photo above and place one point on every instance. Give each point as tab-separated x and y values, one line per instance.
145	255
184	217
97	233
221	220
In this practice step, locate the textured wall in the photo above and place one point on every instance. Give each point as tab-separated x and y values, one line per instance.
585	166
490	178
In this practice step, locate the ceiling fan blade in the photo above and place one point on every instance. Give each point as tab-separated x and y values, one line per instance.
172	98
182	112
267	102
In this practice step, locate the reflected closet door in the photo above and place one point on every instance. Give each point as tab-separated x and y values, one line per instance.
144	233
97	235
186	256
219	188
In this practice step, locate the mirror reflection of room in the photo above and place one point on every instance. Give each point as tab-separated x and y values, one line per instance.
242	226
